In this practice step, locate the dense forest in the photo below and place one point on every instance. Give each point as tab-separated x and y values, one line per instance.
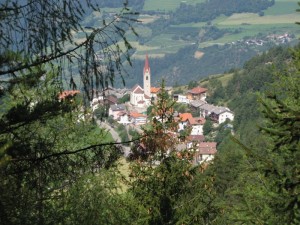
58	166
210	10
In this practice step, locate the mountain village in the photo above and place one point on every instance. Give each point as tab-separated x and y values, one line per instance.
133	113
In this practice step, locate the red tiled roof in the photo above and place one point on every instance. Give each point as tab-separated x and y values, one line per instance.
197	90
154	90
196	121
185	116
69	93
198	138
208	148
136	114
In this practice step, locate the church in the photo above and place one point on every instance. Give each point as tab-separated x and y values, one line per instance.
141	97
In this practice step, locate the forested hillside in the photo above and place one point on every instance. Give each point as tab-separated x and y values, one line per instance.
255	77
263	97
209	10
183	67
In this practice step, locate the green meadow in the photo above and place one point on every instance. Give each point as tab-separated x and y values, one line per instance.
158	46
251	18
167	5
282	7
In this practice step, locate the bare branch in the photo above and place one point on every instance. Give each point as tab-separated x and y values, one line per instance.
70	152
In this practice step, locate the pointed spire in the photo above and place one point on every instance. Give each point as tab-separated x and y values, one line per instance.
146	67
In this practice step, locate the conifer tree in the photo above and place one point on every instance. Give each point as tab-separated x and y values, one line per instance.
282	168
45	144
160	173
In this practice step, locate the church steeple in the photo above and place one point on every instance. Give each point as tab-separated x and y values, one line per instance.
146	67
147	77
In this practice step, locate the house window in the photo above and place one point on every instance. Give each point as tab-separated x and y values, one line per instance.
146	77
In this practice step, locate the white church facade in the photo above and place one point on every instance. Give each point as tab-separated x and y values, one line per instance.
141	97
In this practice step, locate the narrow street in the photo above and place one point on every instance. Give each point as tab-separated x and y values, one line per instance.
114	135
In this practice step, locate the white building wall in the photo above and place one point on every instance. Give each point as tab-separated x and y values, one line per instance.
124	119
204	113
131	98
183	99
206	158
226	115
181	126
135	98
140	120
203	97
147	83
114	114
197	130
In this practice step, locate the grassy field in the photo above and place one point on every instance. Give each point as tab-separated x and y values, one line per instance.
167	5
124	169
251	18
282	7
159	46
224	78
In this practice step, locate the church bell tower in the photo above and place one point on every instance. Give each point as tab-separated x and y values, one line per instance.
147	77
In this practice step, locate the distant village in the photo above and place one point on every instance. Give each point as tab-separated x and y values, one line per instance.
272	38
133	113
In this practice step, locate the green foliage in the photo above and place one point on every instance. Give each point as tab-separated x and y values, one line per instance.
208	126
110	120
125	98
47	143
101	196
217	91
261	184
281	109
181	107
158	189
133	133
159	174
149	111
101	112
178	91
223	131
192	84
122	131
